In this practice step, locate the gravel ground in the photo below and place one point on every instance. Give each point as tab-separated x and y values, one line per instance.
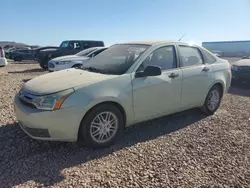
182	150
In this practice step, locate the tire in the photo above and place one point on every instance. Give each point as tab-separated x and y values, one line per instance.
88	133
77	66
207	108
43	65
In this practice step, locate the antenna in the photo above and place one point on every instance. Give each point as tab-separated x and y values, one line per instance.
182	37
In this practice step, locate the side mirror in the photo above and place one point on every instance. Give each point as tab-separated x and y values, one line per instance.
93	55
149	71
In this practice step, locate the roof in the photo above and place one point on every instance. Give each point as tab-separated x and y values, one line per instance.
153	42
82	41
240	41
99	47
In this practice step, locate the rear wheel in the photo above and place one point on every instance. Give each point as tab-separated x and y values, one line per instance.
102	126
213	100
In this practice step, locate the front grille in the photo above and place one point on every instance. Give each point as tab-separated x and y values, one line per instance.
245	68
44	133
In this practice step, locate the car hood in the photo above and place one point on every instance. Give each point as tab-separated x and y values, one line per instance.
61	80
70	58
242	62
49	50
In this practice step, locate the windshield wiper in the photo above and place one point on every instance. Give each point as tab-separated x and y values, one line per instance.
92	69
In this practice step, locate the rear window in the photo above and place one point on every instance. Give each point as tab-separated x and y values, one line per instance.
89	44
209	58
99	44
190	56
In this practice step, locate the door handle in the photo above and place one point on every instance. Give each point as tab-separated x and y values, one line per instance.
173	75
205	69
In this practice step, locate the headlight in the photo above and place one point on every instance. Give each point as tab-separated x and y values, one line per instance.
53	101
62	62
234	67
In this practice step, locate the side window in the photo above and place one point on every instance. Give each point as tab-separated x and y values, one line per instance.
77	45
74	45
210	59
164	57
98	51
190	56
99	44
23	51
86	45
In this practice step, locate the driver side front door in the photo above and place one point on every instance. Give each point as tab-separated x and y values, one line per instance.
155	96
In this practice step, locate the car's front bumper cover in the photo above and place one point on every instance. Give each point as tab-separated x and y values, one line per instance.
241	75
59	125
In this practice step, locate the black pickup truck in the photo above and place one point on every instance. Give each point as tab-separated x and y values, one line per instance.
69	47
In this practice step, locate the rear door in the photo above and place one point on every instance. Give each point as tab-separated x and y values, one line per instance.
197	76
24	54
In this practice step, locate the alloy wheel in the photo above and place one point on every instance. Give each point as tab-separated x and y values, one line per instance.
213	100
104	127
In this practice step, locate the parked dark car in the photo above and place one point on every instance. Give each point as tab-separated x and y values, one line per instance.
23	54
8	53
69	47
241	71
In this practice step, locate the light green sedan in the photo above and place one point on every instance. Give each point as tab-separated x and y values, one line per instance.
126	84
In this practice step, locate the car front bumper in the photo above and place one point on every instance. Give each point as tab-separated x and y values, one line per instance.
3	62
59	125
241	76
52	67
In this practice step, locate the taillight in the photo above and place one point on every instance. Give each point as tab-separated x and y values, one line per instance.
1	52
229	67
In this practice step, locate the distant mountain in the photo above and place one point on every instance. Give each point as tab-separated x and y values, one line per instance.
11	43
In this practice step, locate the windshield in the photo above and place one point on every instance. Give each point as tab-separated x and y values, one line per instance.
85	52
64	44
115	60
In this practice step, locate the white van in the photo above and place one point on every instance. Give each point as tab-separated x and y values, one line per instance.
3	61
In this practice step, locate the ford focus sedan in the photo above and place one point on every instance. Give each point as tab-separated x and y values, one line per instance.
126	84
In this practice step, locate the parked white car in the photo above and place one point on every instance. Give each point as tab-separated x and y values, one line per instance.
73	61
3	61
124	85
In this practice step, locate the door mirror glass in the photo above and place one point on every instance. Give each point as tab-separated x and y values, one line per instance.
149	71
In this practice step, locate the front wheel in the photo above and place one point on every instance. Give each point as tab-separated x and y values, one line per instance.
102	126
76	66
213	100
43	65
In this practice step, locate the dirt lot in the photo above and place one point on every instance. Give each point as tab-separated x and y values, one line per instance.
183	150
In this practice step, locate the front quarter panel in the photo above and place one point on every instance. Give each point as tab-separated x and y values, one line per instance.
117	89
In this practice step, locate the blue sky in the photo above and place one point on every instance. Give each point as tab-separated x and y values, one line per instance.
48	22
